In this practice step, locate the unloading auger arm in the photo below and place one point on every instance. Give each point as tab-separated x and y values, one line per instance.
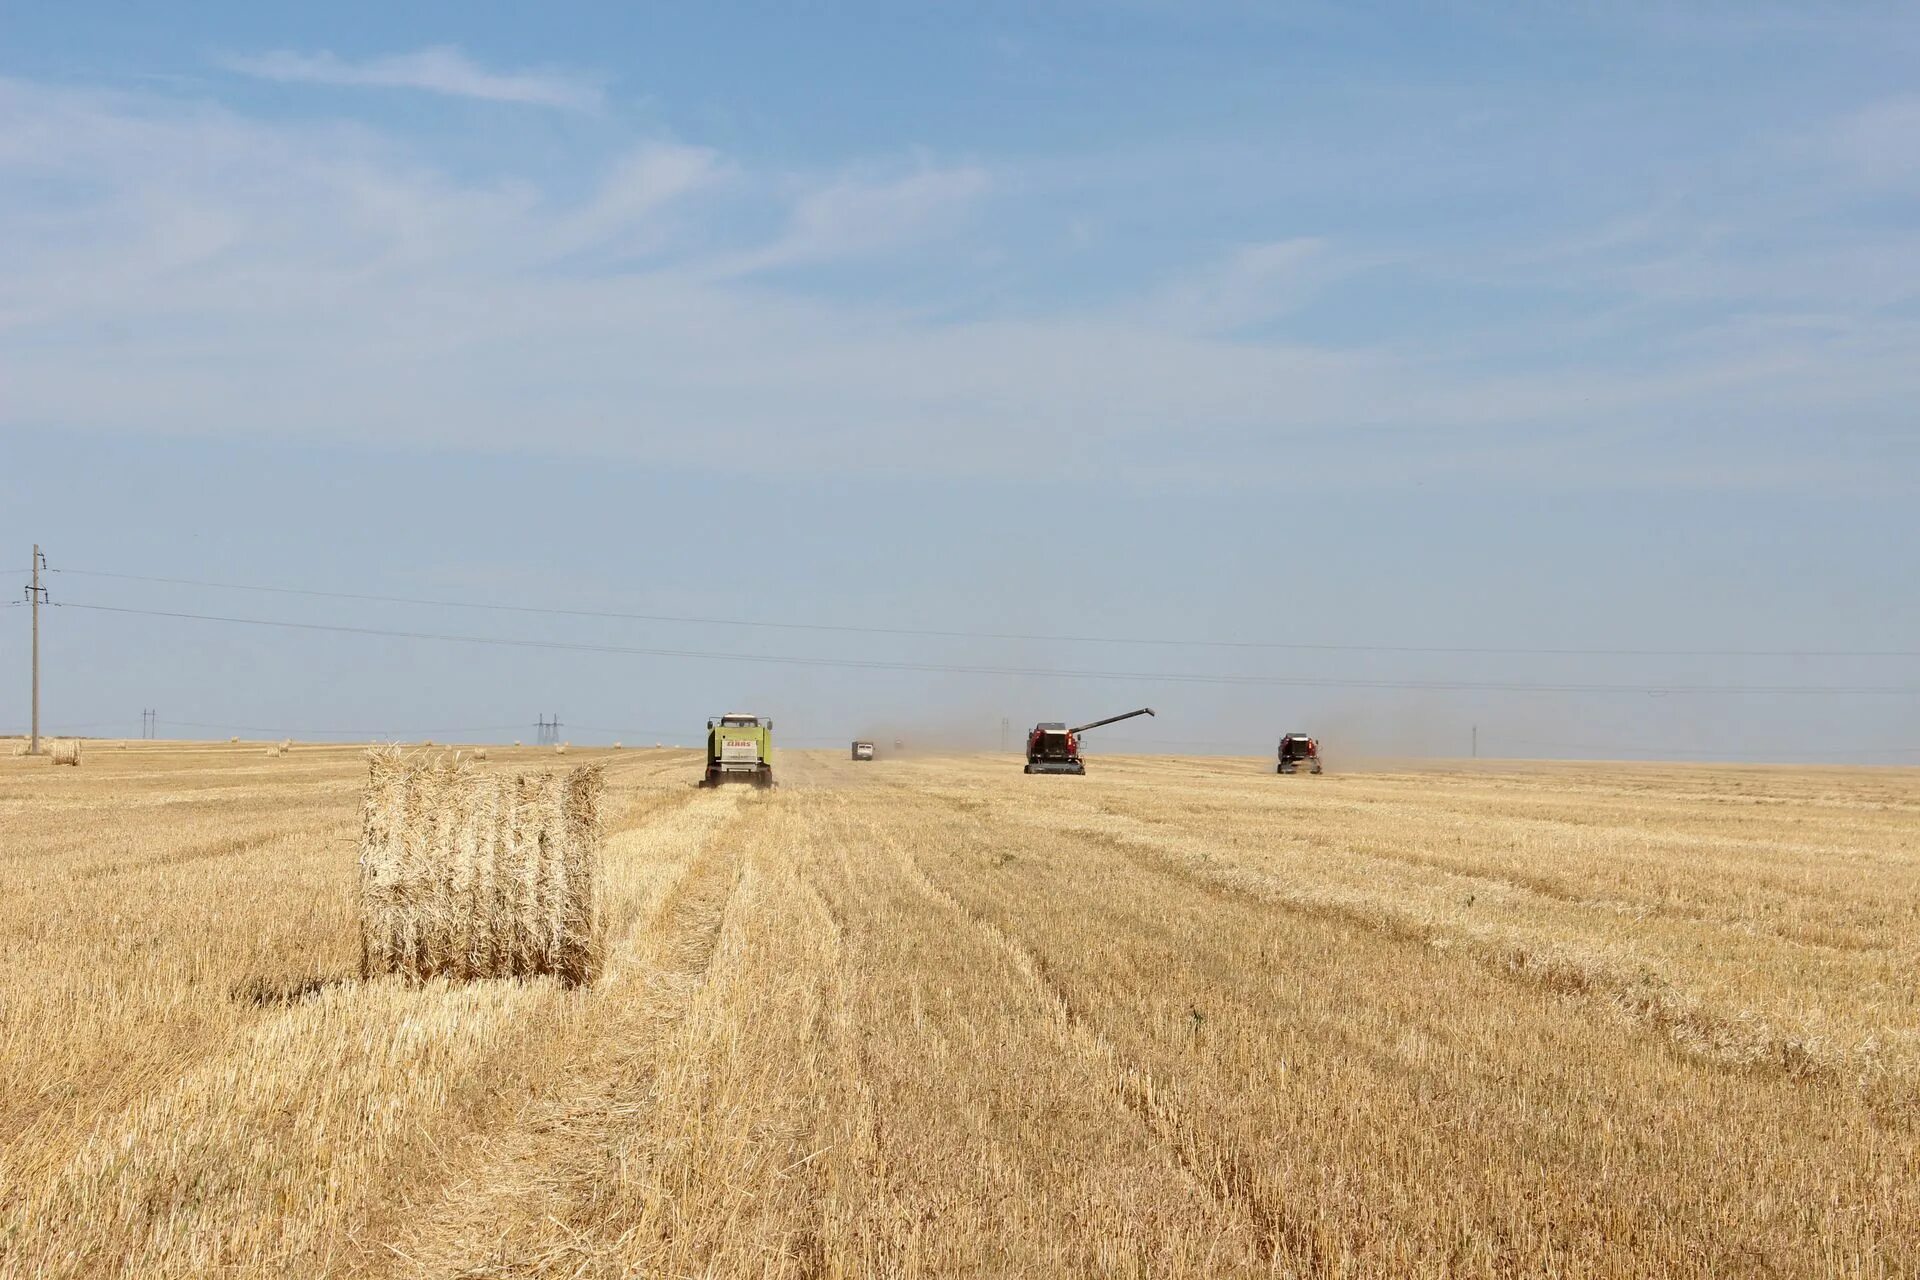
1125	715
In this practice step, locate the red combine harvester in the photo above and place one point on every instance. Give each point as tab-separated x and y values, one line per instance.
1298	749
1054	748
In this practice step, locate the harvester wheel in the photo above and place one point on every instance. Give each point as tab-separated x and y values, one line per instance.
1028	769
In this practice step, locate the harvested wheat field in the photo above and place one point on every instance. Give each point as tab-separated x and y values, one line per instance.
932	1016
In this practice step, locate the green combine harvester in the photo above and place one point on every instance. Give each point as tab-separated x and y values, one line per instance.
739	749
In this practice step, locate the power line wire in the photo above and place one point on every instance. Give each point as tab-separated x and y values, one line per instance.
1295	646
1528	742
1709	757
334	733
1730	754
1052	673
1714	755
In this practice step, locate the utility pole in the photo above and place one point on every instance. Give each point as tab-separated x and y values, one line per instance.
34	594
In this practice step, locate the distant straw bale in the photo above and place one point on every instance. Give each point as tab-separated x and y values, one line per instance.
471	874
479	753
560	748
66	751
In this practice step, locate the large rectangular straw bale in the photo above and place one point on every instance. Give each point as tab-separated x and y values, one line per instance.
471	874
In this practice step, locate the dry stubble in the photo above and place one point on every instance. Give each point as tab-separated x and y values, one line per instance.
931	1016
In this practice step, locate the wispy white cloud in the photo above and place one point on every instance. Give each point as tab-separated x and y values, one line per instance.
322	282
1255	283
861	216
621	215
441	69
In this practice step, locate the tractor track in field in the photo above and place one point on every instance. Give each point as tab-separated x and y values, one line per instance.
211	850
1224	1178
1723	1040
539	1166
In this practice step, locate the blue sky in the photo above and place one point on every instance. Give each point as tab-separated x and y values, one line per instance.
1461	326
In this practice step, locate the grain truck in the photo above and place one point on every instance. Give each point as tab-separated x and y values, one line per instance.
739	749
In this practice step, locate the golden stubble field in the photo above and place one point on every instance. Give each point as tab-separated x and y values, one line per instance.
931	1016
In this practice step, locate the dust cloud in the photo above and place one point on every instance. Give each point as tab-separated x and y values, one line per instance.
938	735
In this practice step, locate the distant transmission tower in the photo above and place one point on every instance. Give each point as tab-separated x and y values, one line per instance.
547	732
37	596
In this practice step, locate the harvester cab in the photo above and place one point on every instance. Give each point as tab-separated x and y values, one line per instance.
739	749
1298	749
1054	748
